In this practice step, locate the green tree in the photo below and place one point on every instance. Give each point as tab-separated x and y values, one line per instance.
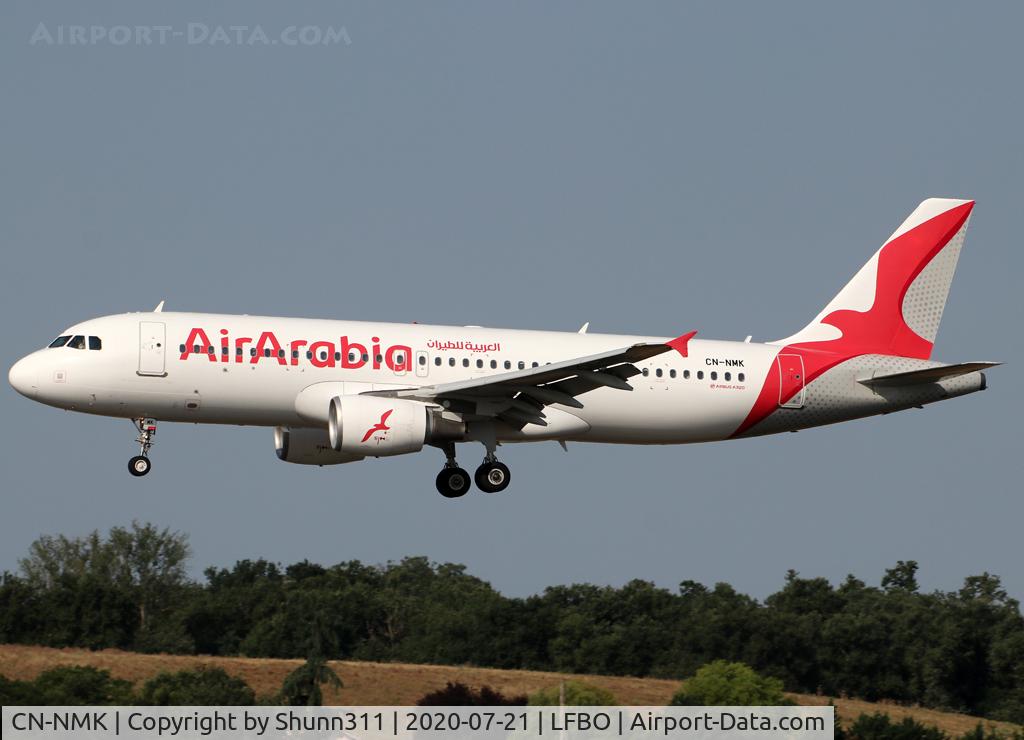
148	562
460	695
576	694
79	686
144	564
17	693
301	687
722	683
879	726
903	577
199	687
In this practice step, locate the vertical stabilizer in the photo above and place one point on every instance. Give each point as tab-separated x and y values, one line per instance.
894	304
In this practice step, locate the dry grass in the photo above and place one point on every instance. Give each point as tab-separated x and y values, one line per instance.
384	684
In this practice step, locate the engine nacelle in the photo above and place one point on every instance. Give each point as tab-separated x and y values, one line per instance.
374	426
308	447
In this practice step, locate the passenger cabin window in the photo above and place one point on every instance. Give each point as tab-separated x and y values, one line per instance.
646	372
423	360
741	377
728	376
437	361
465	362
686	374
508	365
61	341
658	372
479	363
77	342
451	362
671	373
95	343
700	375
494	364
714	375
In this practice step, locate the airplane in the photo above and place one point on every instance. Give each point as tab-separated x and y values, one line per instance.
341	391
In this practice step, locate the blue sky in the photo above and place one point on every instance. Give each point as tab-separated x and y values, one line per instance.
651	169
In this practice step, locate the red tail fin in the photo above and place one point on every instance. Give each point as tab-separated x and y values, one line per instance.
894	304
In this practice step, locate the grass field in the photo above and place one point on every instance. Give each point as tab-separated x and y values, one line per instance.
368	684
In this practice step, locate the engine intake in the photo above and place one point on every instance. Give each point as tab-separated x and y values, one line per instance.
372	426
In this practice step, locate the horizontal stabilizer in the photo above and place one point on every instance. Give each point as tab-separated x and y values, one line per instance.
928	375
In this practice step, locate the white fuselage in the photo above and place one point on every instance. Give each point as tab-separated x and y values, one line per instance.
253	370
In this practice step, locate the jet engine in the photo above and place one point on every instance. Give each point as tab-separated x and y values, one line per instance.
308	447
375	426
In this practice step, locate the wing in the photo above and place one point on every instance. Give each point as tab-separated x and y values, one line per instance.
519	397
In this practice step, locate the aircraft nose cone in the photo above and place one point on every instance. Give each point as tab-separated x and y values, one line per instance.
22	377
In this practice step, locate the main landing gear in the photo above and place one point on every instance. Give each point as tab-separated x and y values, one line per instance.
140	464
492	476
453	481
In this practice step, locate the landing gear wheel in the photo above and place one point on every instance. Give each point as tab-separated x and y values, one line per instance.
493	477
139	466
453	482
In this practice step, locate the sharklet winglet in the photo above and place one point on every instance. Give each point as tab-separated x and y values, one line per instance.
682	344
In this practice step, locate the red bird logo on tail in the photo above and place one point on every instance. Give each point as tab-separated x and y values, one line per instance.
380	426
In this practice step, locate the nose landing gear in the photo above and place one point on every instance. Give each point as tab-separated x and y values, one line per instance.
140	464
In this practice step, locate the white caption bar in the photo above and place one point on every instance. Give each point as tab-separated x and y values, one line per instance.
404	723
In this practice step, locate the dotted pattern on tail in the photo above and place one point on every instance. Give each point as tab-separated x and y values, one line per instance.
836	395
926	297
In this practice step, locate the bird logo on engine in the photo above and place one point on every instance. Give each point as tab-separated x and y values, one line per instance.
380	426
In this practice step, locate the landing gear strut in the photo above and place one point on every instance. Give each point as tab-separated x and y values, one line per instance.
140	464
492	476
452	481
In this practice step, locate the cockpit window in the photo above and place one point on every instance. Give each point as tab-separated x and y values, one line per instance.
60	341
77	342
95	343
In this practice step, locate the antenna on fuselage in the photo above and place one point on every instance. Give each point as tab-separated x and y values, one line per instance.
159	307
583	329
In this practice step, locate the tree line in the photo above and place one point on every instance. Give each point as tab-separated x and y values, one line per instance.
961	650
